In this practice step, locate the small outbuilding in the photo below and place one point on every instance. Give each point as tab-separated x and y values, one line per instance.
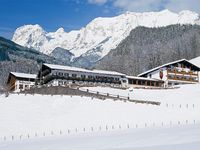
20	81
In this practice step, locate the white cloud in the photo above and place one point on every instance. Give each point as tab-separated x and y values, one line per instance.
178	5
138	5
98	2
151	5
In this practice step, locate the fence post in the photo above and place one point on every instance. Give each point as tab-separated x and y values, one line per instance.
120	127
178	122
60	132
128	126
68	131
12	137
100	128
92	129
4	138
170	123
106	127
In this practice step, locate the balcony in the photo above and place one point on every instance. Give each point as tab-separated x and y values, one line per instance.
176	78
51	77
175	71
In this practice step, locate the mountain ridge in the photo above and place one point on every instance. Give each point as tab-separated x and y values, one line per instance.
94	41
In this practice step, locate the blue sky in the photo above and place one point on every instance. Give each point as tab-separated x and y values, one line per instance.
74	14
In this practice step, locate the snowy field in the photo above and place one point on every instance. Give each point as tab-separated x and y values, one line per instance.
86	123
176	138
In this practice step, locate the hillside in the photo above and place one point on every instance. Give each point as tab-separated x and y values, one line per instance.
14	57
92	42
146	48
129	123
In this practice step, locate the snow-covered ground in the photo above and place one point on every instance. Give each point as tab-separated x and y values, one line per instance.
177	138
27	115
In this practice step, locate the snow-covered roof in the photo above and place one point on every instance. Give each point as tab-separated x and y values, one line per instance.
142	78
108	72
24	75
167	64
196	61
69	68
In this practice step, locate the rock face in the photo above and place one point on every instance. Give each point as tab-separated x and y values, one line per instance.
93	42
62	55
146	48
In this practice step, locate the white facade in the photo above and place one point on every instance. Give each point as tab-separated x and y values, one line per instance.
23	85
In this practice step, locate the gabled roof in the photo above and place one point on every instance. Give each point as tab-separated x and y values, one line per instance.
24	75
69	68
171	63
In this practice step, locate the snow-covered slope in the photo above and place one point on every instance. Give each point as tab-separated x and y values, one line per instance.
168	126
100	35
22	114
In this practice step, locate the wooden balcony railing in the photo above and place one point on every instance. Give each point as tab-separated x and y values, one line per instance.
182	79
175	71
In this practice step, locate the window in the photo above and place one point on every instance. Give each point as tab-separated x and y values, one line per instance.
74	75
20	86
124	81
83	76
60	74
134	81
90	77
129	81
66	74
26	87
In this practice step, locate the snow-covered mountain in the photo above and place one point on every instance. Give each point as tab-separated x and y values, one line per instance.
94	41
